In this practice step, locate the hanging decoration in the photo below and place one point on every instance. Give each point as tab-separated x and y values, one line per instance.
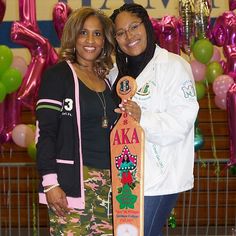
202	18
186	11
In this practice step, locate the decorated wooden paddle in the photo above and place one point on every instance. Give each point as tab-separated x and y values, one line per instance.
127	168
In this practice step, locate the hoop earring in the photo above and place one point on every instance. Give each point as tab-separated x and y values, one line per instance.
74	50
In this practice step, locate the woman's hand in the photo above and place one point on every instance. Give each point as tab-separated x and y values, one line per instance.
57	201
130	107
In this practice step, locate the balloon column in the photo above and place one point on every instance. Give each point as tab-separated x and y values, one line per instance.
224	34
10	80
26	33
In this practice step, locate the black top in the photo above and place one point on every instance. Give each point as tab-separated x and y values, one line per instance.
95	139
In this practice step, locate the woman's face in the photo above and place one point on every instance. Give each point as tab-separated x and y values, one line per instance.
130	34
90	41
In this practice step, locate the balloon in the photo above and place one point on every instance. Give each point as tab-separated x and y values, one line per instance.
221	85
214	69
6	57
27	14
220	102
232	5
22	135
202	18
33	127
3	92
198	139
1	117
198	69
61	11
31	150
42	53
155	25
2	9
200	90
230	55
11	116
11	79
186	11
231	109
232	170
224	29
168	34
20	64
216	54
203	50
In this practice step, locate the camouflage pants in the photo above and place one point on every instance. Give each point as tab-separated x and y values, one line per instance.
96	218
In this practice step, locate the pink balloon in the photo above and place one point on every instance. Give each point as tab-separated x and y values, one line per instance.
168	34
224	29
61	11
155	25
2	9
231	109
23	135
220	102
42	54
20	64
27	14
232	5
230	55
11	117
221	85
216	55
198	69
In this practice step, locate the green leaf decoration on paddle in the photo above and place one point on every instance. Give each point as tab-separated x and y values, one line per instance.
126	198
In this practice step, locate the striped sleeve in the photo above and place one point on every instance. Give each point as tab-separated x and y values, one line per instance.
49	104
48	112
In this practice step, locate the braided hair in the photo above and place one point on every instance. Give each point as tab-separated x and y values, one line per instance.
121	61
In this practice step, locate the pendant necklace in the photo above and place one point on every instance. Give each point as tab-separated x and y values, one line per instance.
104	117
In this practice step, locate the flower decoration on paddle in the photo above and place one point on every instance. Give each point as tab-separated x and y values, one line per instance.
126	163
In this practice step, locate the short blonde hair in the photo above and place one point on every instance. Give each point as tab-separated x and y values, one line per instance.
71	30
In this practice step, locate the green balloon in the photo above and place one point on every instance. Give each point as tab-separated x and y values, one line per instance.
31	150
3	92
200	90
11	79
203	50
213	70
232	170
6	57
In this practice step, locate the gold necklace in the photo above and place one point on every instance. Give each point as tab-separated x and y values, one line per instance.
104	106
